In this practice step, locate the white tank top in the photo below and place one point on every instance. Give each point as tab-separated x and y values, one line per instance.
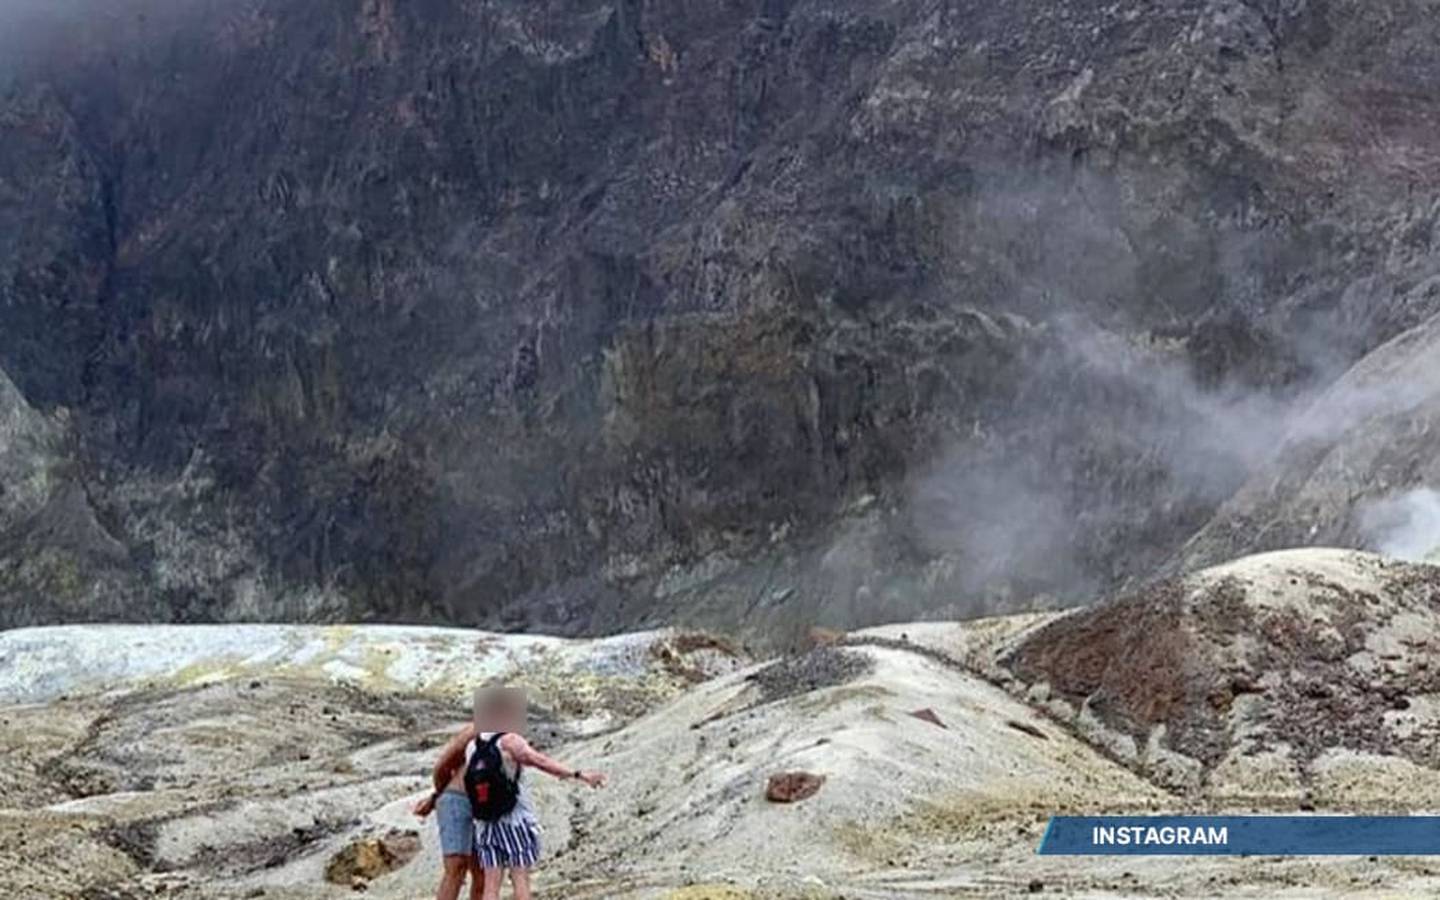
524	810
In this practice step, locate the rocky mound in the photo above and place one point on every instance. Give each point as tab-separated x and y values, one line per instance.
1267	675
830	787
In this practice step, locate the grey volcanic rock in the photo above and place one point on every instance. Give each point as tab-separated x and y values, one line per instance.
29	455
583	314
55	557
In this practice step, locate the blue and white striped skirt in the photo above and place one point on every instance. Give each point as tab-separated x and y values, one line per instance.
507	845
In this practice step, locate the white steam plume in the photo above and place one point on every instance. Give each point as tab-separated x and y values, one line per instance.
1405	525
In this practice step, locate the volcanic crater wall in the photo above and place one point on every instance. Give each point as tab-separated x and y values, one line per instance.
576	315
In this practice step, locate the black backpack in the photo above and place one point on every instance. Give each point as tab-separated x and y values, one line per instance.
491	790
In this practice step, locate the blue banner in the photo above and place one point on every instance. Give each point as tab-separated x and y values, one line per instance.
1242	836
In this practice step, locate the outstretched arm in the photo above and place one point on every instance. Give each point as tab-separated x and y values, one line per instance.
526	755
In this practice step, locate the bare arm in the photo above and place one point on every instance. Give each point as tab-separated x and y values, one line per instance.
526	755
452	757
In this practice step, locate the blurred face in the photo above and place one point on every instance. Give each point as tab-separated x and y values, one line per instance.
500	709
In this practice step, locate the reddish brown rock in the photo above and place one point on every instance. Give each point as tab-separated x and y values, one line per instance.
928	715
792	787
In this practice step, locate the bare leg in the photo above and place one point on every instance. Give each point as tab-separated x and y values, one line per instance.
493	879
453	877
477	880
521	879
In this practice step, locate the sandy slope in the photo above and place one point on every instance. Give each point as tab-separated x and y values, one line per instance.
236	763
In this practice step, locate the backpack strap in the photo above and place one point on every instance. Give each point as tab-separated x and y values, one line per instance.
494	742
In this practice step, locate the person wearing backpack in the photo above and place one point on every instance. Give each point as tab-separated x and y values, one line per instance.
487	762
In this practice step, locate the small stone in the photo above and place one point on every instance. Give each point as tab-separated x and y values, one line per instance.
792	787
928	715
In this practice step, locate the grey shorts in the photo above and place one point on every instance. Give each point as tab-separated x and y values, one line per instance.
457	827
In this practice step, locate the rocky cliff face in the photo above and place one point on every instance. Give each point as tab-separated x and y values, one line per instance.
581	314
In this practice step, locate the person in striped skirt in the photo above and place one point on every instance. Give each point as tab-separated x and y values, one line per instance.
511	842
